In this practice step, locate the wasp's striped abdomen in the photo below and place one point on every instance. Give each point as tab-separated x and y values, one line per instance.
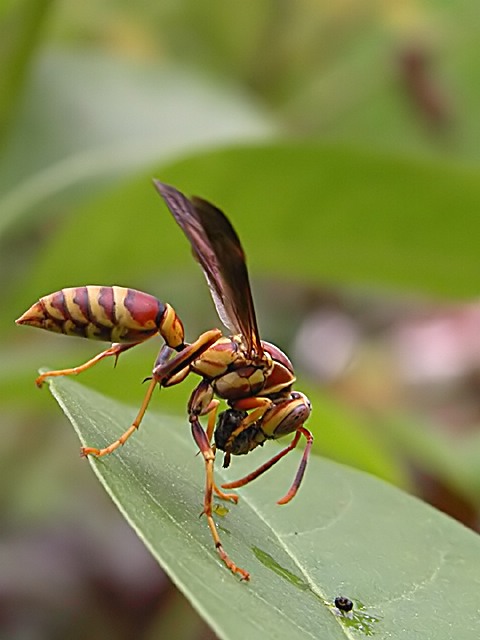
112	314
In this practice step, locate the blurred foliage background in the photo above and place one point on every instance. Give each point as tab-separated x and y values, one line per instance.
343	141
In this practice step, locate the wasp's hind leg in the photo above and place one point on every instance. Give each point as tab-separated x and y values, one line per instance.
115	350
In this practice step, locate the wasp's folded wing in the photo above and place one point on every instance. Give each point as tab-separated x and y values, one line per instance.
217	248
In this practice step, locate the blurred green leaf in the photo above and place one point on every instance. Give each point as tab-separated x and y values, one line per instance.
21	23
345	437
450	457
320	214
401	78
343	528
87	118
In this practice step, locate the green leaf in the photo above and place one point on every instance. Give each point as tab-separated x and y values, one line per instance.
305	211
344	436
449	456
20	27
346	216
130	115
410	571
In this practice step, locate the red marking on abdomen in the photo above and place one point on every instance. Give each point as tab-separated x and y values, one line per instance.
143	307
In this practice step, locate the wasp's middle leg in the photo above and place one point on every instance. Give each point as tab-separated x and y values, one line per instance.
208	454
203	403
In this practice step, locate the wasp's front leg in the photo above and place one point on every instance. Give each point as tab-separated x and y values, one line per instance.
167	372
163	356
281	418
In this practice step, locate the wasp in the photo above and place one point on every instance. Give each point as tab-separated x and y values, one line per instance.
254	377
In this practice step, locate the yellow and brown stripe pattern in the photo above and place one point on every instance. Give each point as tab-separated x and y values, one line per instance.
113	314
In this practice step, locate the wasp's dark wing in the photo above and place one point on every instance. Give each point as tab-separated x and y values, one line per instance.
217	248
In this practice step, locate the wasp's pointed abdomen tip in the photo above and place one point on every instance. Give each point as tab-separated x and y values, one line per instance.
35	316
158	184
166	190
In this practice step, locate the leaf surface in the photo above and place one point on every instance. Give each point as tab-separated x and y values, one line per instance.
410	571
